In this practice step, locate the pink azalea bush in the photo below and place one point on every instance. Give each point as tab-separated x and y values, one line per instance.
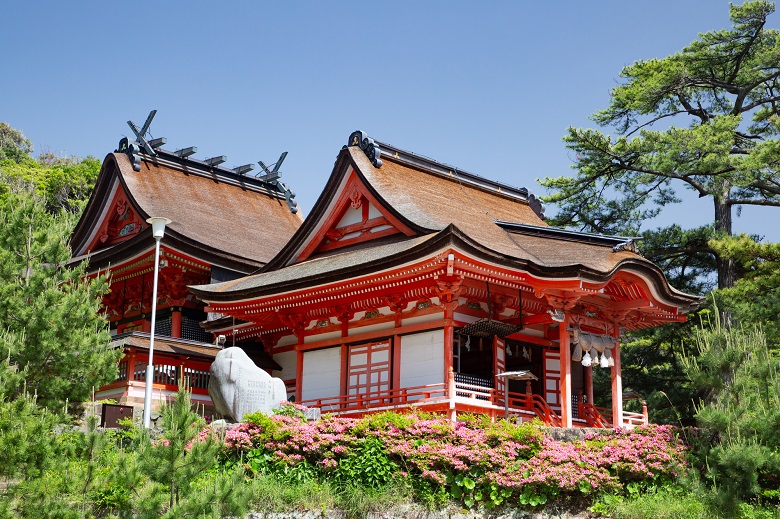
474	461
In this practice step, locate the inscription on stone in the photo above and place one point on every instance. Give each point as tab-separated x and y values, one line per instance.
237	386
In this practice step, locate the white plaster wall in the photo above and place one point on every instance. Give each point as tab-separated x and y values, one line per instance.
321	373
422	358
287	361
423	319
371	328
287	340
464	318
350	217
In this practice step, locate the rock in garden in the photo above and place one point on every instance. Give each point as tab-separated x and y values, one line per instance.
237	386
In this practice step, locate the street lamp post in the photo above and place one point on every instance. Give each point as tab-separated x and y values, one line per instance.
158	230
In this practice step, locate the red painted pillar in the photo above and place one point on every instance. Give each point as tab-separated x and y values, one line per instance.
565	345
617	388
344	386
449	338
176	323
298	374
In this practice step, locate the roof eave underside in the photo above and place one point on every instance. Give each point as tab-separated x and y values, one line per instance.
143	242
452	237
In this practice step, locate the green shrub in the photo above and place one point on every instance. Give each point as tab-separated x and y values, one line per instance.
367	466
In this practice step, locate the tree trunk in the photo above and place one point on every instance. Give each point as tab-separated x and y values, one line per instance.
727	272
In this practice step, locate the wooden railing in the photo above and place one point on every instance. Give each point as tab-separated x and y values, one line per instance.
480	393
473	395
388	398
631	420
595	416
535	404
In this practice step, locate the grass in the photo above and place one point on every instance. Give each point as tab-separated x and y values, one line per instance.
276	495
676	503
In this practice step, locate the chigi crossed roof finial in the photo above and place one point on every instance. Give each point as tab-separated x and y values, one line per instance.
141	143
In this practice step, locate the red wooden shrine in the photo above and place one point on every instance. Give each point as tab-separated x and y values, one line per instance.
214	236
413	285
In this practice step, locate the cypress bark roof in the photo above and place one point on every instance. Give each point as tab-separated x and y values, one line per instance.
225	219
443	207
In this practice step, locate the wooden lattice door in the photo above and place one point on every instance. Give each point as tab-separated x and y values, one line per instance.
369	373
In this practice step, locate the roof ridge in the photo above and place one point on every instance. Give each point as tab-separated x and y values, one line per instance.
447	170
376	150
192	166
587	237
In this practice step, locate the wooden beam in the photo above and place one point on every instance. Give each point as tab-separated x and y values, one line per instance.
519	336
629	305
544	318
377	334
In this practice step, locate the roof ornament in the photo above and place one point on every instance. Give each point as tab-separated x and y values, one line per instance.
367	144
272	177
628	245
186	152
536	205
133	149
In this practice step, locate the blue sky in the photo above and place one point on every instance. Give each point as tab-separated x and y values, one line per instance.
489	87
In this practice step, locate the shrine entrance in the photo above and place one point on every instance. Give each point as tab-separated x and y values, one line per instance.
368	371
477	361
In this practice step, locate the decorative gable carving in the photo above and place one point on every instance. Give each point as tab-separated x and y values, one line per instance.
120	223
356	217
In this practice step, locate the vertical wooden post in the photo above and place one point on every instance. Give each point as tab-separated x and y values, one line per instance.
299	372
565	345
449	337
451	414
344	374
644	413
617	388
588	372
146	326
176	323
396	366
130	366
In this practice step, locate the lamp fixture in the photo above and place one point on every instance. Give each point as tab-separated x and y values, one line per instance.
158	231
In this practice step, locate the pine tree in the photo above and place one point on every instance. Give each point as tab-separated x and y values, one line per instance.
740	381
705	119
176	462
51	315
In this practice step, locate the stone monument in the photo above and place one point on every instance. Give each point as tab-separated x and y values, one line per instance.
237	386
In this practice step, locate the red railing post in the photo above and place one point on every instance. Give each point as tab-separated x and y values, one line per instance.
451	394
644	413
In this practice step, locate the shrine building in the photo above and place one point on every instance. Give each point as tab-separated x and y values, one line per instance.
225	224
411	284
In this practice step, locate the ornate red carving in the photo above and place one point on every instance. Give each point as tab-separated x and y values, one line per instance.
562	302
294	321
344	313
396	302
357	199
448	288
120	223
